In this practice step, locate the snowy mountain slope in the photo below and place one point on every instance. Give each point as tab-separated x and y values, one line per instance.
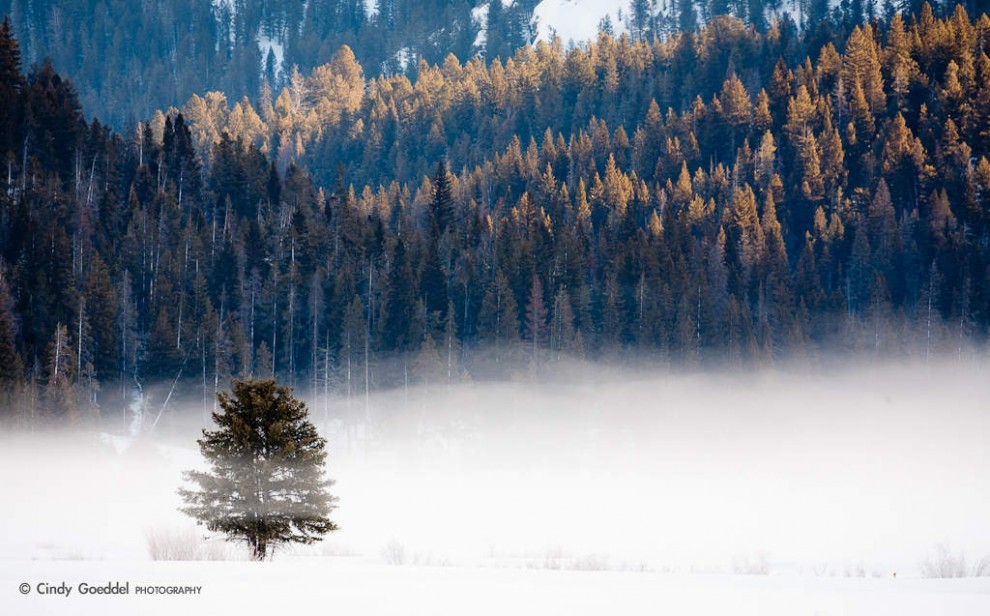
578	20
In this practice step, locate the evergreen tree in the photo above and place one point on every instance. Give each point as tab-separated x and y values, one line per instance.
442	204
102	317
11	85
61	401
11	368
266	483
536	317
498	320
399	302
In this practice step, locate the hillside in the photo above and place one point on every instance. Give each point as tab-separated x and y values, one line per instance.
715	198
129	58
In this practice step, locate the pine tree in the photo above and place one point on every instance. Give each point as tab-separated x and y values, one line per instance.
442	204
266	483
498	320
400	298
11	86
639	20
11	369
102	317
736	108
536	317
562	332
433	284
861	64
60	396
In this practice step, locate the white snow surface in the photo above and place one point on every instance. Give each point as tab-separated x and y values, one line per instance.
479	16
349	586
612	492
266	43
404	56
577	20
231	8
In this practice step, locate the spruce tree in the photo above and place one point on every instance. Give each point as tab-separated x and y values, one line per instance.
399	301
11	87
442	205
266	484
11	368
536	316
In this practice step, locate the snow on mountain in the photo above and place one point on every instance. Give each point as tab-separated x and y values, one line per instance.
405	57
577	20
580	20
269	44
479	16
225	11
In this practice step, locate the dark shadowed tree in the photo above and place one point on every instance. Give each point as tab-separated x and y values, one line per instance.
266	484
11	368
11	85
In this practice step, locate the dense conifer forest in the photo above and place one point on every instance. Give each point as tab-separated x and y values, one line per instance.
128	58
730	195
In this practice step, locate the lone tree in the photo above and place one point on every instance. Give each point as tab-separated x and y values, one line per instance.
266	485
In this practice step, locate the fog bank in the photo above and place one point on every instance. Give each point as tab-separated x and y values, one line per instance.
852	470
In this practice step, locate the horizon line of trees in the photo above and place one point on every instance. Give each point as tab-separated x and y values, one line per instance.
836	203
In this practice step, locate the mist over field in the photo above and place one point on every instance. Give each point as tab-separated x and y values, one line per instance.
851	470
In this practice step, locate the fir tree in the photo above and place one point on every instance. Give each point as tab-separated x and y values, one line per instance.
536	317
11	369
442	205
266	483
11	85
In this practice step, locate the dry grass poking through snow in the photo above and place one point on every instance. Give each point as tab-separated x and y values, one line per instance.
183	544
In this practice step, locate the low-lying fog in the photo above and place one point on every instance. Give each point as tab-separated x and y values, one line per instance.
855	470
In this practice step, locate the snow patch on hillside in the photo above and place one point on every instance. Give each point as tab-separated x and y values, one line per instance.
404	57
577	20
479	17
226	9
228	4
793	9
266	44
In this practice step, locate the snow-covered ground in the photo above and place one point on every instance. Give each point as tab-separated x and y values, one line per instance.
370	8
347	586
577	20
266	45
226	9
479	17
612	492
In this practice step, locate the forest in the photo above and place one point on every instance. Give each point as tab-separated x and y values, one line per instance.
128	58
728	195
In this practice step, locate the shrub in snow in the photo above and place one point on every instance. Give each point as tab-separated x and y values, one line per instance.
758	565
943	563
394	553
